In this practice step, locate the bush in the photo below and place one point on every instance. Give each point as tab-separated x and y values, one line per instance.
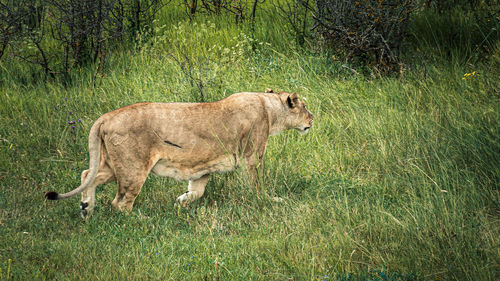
240	9
19	21
372	30
295	15
59	34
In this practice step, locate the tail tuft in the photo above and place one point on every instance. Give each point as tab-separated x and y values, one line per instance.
51	195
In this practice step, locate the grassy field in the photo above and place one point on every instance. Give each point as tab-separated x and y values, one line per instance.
397	180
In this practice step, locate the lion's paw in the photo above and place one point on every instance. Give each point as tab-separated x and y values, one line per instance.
85	209
183	201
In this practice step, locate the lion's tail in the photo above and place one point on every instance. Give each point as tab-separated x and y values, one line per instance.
94	161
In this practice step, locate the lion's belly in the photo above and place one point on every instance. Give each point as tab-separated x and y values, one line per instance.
182	171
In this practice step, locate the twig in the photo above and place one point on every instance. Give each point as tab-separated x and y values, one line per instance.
353	71
189	75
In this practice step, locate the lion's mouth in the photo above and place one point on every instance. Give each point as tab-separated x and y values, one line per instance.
303	130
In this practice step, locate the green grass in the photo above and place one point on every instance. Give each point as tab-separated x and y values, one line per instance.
398	179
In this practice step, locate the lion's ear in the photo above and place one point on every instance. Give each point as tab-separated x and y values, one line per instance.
292	100
269	90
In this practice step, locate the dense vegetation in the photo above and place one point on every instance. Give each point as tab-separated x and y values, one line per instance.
398	179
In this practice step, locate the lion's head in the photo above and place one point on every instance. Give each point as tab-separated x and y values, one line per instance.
300	118
297	116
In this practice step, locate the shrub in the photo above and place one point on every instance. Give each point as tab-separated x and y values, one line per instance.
59	34
240	9
371	30
19	21
295	15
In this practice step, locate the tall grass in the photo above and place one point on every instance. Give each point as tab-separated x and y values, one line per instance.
398	179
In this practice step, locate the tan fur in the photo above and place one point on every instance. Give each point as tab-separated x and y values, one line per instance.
184	141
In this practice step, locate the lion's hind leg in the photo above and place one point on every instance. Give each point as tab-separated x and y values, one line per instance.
128	189
105	175
196	189
130	180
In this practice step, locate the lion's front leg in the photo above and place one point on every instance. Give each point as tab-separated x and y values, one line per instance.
254	167
253	176
196	189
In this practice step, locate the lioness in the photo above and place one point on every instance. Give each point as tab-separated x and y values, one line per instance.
184	141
